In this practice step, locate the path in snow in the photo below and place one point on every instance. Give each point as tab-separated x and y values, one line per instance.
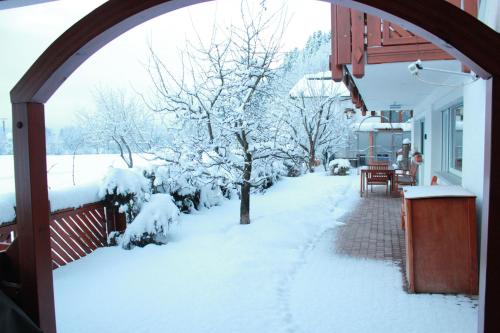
278	274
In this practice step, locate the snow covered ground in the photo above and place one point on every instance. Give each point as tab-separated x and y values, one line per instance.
88	168
278	274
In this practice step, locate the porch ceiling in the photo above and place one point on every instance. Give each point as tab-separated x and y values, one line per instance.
392	83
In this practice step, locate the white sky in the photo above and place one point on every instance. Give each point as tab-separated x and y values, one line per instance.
26	32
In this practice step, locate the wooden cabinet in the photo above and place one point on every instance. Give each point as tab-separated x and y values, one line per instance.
441	243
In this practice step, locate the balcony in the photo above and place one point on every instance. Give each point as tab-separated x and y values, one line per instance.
359	39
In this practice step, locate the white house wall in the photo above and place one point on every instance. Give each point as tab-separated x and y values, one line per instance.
473	146
430	111
474	97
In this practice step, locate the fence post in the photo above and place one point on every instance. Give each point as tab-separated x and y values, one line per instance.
115	221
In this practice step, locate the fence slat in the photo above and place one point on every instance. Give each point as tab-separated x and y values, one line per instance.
69	228
63	244
74	233
83	236
61	230
57	259
60	251
83	223
100	226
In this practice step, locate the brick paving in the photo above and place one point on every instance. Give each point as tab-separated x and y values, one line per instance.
372	230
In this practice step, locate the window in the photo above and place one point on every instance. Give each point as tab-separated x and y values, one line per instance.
452	130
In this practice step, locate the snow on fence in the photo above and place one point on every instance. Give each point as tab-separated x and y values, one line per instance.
74	233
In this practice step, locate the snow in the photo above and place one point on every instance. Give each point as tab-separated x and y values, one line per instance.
315	85
434	191
373	126
124	181
356	295
69	197
88	169
7	204
154	219
340	162
75	196
278	274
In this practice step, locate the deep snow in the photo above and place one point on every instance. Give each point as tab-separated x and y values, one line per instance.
89	173
278	274
88	169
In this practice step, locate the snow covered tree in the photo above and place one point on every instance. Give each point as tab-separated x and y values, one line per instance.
120	121
310	105
217	108
314	115
5	143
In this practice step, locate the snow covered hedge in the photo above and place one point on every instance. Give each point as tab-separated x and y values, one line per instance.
151	225
126	190
339	167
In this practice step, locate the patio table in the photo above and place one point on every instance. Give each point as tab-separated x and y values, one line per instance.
390	172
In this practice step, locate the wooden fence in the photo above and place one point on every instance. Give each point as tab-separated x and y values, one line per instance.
74	233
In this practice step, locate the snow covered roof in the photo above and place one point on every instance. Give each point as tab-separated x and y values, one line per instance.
372	126
319	85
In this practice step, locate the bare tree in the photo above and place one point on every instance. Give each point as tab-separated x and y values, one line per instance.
119	120
72	139
315	118
217	106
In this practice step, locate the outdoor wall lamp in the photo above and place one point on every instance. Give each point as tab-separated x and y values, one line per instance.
416	67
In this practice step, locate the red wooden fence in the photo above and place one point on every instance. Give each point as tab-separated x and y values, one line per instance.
74	233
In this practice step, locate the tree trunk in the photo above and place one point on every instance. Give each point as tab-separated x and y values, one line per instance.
312	160
130	162
245	191
73	167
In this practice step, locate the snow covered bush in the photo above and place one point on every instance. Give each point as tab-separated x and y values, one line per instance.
150	226
339	167
189	190
267	174
125	190
293	169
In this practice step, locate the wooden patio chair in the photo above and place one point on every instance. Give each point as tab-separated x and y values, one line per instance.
407	178
377	177
378	165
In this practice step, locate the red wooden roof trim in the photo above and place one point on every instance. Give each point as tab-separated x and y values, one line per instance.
471	7
457	28
358	44
343	30
337	70
374	30
405	53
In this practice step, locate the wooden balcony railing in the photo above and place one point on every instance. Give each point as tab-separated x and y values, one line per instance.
74	233
359	39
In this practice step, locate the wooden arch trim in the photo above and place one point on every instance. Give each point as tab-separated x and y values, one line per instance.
82	40
459	34
113	18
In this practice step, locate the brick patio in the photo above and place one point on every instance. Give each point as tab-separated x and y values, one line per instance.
372	230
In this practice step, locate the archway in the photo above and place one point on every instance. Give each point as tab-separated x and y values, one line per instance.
461	35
